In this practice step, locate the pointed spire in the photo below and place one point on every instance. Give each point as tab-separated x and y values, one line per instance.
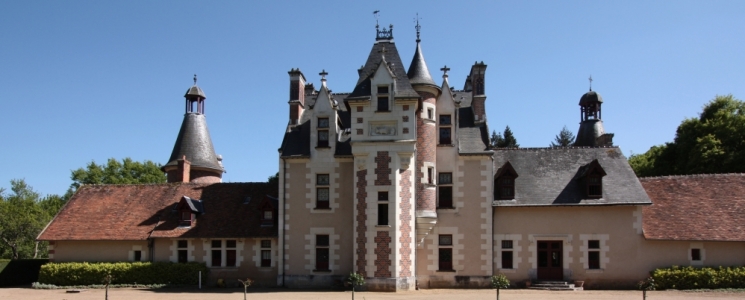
418	71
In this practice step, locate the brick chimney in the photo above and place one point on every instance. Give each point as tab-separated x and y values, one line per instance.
477	81
297	95
184	169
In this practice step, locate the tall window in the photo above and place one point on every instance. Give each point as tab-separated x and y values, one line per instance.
445	136
430	175
137	255
593	254
507	254
216	253
267	217
445	190
323	132
266	253
445	252
322	191
506	187
182	246
230	253
186	217
383	98
430	114
382	208
322	252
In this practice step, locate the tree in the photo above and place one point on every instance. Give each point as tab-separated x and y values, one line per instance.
563	139
499	282
115	172
355	279
712	143
647	285
273	180
24	214
496	139
248	282
505	140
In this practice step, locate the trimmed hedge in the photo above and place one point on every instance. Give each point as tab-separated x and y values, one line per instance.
20	272
686	278
73	273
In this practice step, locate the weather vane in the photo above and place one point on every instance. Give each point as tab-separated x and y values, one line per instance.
195	79
590	82
418	27
375	13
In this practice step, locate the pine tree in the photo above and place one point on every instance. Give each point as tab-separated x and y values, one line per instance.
509	140
496	139
563	139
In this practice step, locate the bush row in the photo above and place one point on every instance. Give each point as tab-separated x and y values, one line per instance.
684	278
73	273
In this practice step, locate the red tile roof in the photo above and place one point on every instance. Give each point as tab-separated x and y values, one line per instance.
132	212
695	207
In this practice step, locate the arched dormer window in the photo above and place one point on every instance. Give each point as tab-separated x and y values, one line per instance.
592	179
504	182
268	213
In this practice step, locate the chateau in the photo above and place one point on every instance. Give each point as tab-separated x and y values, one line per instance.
396	180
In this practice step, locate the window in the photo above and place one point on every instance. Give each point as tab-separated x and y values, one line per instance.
507	254
382	208
506	187
696	254
383	98
230	254
323	132
138	255
430	174
430	114
322	191
216	253
445	136
266	253
185	218
445	254
445	190
594	187
322	252
593	255
182	246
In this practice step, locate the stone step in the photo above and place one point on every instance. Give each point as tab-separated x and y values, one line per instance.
554	286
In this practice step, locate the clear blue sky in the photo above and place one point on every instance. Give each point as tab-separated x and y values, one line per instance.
90	80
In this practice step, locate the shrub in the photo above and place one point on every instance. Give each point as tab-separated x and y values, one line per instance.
685	278
83	273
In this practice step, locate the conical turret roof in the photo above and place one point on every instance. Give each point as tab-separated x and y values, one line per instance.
194	142
418	71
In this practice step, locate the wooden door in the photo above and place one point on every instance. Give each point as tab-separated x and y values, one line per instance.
550	264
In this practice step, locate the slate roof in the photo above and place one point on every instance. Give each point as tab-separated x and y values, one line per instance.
695	207
194	141
418	72
194	90
132	212
589	131
590	97
403	88
297	143
550	177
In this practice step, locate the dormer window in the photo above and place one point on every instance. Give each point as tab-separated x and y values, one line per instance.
267	219
188	208
592	179
504	182
383	102
323	132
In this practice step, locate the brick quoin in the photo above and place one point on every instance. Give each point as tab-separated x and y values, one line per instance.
361	221
405	221
383	168
383	251
426	145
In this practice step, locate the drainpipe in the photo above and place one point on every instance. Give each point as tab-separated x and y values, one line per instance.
282	217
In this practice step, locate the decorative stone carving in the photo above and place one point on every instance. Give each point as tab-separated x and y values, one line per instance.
383	129
405	159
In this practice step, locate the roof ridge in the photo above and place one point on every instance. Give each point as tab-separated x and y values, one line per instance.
167	184
557	148
691	176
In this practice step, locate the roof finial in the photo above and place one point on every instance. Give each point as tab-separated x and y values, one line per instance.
445	70
375	13
418	28
590	83
323	75
195	79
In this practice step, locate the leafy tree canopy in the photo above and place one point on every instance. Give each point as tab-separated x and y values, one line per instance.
115	172
712	143
24	214
565	138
